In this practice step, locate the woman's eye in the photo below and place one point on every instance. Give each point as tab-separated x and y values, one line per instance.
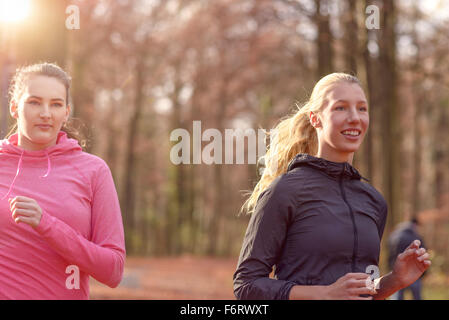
33	102
57	105
339	108
363	109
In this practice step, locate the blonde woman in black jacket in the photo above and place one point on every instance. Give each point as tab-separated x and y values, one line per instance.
313	218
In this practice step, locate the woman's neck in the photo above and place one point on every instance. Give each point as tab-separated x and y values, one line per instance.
336	157
28	145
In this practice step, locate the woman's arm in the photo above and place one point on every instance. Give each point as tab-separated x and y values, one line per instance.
262	247
307	293
348	287
409	266
102	256
386	286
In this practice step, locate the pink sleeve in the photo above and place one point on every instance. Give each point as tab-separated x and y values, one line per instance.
103	257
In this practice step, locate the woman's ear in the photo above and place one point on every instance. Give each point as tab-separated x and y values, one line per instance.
67	113
13	109
314	120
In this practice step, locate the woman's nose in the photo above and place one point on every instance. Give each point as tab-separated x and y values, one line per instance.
353	115
45	111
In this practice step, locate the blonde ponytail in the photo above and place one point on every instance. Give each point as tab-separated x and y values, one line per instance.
294	135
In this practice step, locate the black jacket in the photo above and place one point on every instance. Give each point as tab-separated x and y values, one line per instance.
315	223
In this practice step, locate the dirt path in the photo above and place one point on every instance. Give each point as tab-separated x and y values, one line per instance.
186	277
201	278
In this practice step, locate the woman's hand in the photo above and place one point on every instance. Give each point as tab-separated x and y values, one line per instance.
350	287
25	210
411	264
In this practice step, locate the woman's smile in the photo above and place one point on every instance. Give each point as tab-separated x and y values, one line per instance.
352	134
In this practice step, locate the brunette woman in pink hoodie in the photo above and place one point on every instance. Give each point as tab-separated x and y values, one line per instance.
60	219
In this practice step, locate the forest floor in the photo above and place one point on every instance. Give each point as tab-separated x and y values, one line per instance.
201	278
172	278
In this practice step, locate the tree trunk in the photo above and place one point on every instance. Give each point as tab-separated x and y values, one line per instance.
368	63
351	37
390	124
440	134
324	39
129	191
417	132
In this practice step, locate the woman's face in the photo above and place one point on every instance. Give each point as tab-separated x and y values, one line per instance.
40	112
342	124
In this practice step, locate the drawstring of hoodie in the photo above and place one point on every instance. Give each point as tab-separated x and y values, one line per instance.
48	166
19	167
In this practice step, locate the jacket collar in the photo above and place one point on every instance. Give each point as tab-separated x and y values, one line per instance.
333	169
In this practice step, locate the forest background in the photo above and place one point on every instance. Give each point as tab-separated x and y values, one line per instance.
143	69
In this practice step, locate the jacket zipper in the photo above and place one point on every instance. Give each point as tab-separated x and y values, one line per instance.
354	251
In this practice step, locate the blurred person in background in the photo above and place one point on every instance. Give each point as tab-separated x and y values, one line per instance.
399	239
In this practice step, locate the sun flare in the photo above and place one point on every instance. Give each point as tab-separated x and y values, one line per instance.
14	10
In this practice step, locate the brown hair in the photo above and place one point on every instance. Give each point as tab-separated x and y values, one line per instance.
51	70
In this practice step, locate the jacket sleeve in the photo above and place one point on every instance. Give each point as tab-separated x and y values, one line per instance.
103	256
262	247
383	219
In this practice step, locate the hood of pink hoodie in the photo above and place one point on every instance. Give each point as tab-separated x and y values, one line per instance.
63	146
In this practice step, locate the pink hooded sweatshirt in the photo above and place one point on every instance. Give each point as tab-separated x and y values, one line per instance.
80	233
